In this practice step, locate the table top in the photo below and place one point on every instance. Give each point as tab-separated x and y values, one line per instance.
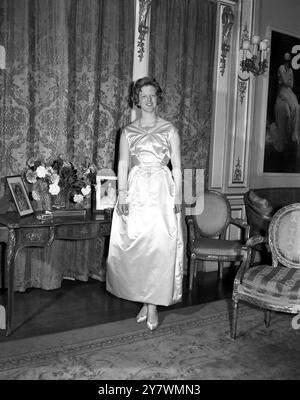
12	220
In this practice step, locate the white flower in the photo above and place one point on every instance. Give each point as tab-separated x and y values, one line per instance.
41	171
49	171
31	176
35	195
55	178
86	190
78	198
54	189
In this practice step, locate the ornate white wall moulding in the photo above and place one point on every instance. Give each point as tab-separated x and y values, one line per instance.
227	23
143	28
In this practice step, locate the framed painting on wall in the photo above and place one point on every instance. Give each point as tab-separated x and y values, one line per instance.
282	129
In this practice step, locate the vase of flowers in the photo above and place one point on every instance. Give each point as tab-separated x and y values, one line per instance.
80	195
60	184
43	179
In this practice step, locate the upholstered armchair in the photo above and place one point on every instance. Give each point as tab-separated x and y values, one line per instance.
207	234
272	287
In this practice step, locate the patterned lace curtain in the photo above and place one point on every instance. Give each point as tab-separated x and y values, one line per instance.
182	42
65	87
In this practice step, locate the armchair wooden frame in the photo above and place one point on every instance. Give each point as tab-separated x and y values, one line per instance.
196	233
279	260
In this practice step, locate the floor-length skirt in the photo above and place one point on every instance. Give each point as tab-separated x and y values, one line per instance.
145	260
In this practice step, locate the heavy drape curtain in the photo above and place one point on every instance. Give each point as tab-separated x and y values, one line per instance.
65	89
182	42
69	66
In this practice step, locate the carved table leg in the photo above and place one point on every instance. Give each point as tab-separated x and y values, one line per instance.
10	266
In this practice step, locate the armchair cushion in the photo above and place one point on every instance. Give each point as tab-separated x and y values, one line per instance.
274	285
261	205
220	247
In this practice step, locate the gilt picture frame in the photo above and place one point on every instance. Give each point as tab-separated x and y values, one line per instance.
19	195
281	153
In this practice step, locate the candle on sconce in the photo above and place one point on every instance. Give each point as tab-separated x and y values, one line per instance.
255	40
246	45
263	47
267	42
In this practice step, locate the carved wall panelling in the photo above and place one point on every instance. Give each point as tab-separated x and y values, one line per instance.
222	83
239	147
227	19
237	211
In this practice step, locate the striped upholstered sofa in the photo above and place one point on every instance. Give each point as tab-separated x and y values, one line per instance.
273	287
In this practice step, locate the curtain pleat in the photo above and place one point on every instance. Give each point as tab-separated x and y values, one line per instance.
182	41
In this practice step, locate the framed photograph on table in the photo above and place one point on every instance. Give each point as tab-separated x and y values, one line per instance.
19	194
105	193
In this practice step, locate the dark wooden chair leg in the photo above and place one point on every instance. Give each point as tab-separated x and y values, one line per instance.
235	318
192	271
220	269
267	317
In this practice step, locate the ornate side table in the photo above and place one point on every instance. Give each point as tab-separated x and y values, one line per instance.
20	232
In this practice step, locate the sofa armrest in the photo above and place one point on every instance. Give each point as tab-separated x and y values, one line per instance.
248	248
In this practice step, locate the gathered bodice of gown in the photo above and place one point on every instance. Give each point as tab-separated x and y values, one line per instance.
151	145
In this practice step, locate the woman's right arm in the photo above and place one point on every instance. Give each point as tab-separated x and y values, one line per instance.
123	165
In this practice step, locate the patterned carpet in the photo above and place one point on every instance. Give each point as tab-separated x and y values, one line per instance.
190	343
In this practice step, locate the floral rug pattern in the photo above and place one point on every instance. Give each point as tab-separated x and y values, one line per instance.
190	343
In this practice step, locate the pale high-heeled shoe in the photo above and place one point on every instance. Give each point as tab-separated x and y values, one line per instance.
152	325
141	317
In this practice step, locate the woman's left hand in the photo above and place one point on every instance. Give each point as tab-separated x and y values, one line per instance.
177	208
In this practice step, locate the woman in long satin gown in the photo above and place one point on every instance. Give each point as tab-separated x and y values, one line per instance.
145	259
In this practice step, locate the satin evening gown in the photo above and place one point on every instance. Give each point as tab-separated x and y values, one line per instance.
145	259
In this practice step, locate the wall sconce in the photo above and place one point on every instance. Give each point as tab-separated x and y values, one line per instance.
254	55
227	23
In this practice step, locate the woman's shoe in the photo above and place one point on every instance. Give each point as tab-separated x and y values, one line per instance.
152	325
141	317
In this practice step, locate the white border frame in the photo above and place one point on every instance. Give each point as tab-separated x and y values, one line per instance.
98	205
12	180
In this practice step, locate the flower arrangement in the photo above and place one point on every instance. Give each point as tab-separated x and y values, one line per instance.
60	177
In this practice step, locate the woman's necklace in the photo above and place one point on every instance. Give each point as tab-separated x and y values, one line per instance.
153	125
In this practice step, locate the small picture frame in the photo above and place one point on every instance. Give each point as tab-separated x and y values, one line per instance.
105	193
19	194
